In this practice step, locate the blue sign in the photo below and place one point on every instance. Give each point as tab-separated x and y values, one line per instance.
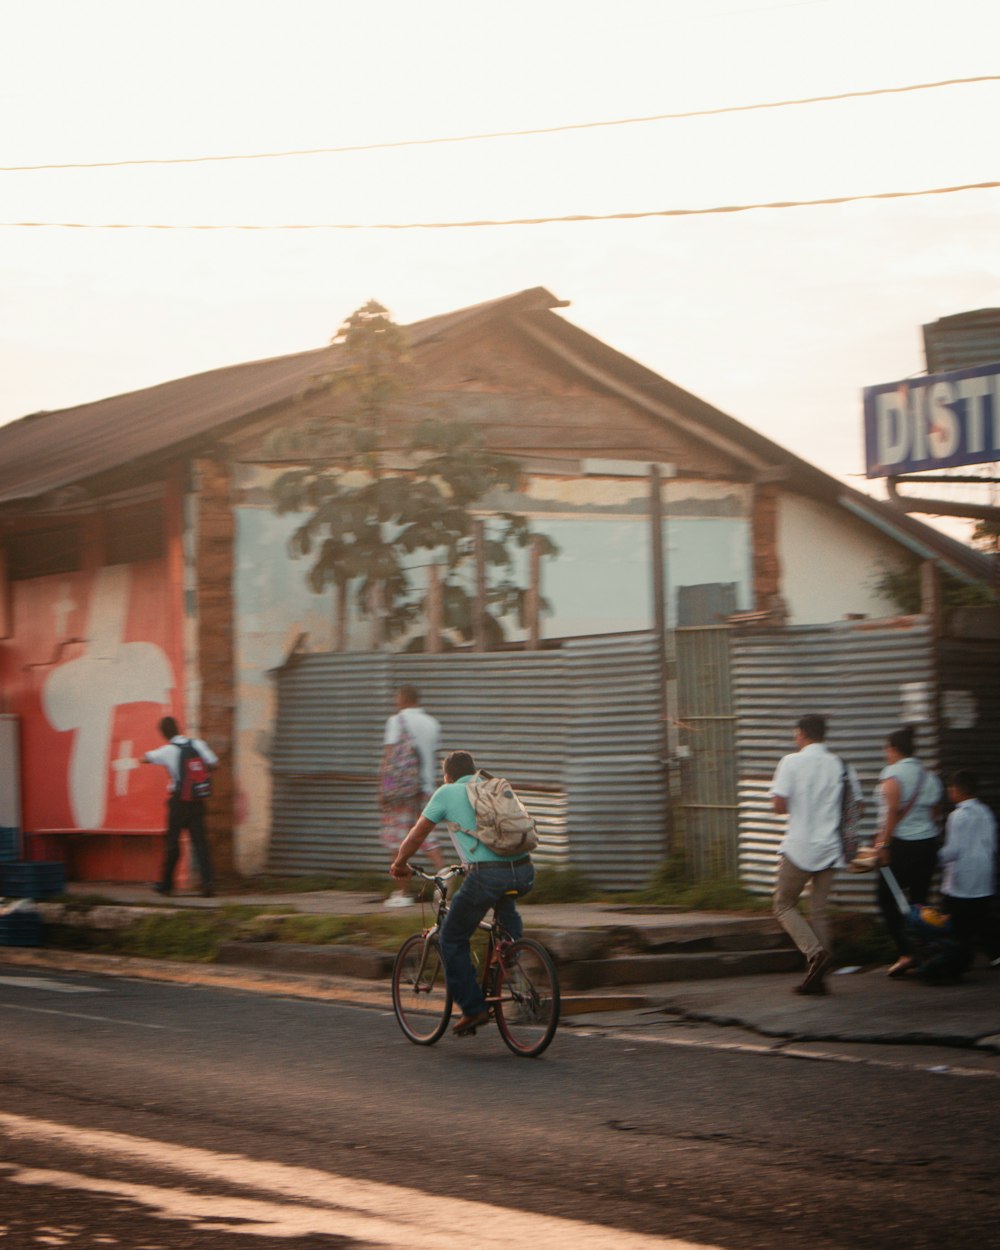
934	422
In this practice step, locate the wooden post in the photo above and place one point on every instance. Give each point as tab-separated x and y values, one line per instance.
480	603
660	624
533	603
930	596
376	609
656	554
340	592
435	609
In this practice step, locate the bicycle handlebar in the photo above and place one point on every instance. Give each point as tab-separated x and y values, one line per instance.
446	874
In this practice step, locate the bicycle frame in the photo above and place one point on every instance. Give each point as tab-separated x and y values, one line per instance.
498	938
520	983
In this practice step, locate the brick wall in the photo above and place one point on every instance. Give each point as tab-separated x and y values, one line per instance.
215	529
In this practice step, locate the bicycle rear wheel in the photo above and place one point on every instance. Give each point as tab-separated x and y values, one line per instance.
528	1006
420	996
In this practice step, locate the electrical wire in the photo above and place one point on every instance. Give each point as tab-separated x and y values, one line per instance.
510	221
500	134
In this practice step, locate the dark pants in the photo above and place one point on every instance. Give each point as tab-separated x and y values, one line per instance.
912	865
495	884
189	816
973	924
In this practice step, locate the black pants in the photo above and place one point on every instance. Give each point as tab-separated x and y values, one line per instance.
973	923
912	865
189	816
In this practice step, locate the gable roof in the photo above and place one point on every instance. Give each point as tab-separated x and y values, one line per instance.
50	451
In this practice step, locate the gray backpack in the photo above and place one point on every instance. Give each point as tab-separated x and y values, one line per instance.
503	823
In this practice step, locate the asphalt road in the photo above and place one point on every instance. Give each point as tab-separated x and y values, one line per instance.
146	1116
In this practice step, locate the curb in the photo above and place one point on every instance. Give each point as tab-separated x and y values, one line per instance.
328	987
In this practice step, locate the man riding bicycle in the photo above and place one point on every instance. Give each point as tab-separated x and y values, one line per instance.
492	880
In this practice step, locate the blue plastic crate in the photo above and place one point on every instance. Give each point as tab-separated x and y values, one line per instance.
10	843
32	879
21	928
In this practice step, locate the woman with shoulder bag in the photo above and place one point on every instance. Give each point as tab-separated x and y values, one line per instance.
908	835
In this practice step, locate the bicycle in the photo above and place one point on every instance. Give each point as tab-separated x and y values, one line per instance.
520	982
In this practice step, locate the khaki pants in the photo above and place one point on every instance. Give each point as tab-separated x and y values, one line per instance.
809	938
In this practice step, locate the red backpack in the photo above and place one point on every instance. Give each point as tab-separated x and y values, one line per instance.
195	780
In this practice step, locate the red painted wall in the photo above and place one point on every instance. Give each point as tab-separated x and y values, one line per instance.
93	663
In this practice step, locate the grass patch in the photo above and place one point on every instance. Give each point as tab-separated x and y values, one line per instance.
560	885
195	934
670	887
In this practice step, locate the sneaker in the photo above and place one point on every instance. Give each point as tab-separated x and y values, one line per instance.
398	900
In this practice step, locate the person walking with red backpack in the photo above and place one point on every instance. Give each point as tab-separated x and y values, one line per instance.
188	762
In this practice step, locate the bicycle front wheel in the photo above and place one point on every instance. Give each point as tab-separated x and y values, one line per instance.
420	996
528	1007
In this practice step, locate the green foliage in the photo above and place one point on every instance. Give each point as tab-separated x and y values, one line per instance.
560	885
669	887
194	935
986	535
901	586
365	523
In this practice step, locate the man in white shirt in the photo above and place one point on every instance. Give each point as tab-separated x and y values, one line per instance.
408	776
182	812
808	787
968	859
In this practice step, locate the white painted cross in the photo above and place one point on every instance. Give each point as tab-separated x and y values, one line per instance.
122	766
81	695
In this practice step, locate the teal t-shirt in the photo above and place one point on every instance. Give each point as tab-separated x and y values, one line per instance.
451	802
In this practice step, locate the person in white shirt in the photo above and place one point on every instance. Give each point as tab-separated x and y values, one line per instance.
808	787
182	813
968	859
408	777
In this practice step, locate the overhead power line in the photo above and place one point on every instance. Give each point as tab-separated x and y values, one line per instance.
509	221
501	134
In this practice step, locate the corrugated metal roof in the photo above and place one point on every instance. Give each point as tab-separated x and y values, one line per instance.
963	341
51	450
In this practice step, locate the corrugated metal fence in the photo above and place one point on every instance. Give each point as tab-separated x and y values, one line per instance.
577	730
867	678
970	711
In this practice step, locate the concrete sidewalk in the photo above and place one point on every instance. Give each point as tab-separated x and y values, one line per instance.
863	1007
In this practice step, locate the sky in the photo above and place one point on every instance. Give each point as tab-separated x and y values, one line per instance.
778	317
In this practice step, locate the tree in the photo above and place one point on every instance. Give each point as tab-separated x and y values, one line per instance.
900	584
366	522
986	536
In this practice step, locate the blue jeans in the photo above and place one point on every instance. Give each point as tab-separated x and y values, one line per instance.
487	885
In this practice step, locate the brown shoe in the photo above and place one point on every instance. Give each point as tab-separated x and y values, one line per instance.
901	967
467	1025
817	987
815	973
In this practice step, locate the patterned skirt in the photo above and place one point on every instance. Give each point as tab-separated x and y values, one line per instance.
397	821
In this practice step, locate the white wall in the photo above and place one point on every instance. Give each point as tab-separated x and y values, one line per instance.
830	561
